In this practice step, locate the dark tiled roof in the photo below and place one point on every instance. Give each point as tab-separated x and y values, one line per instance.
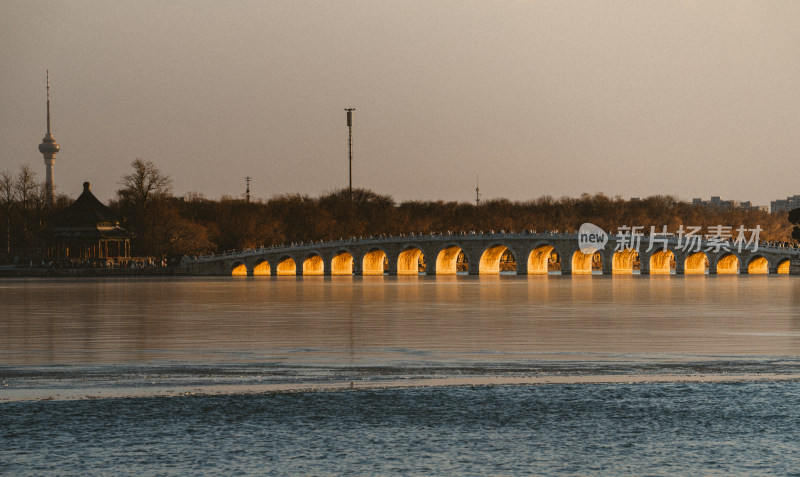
85	211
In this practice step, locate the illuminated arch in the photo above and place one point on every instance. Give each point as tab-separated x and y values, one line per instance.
374	262
262	268
313	265
490	259
758	266
447	260
410	261
622	262
542	259
584	263
728	264
287	267
696	264
662	262
783	267
239	270
342	263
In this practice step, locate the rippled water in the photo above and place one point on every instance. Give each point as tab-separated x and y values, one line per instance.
648	429
327	375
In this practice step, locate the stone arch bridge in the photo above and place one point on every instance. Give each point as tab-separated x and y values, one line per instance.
489	253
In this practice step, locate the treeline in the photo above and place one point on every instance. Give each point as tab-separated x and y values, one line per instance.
234	224
169	226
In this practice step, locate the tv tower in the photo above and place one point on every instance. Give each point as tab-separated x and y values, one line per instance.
477	191
49	148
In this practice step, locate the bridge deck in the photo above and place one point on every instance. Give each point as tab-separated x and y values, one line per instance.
481	253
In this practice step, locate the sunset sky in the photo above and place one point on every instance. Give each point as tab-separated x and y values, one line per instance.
630	98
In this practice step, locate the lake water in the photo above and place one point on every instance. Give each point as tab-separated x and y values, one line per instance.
401	375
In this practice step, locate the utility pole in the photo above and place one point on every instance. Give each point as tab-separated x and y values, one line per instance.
247	192
350	143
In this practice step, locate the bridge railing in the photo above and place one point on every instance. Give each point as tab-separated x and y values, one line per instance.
782	247
434	236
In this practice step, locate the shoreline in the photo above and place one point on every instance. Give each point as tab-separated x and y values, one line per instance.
31	395
91	272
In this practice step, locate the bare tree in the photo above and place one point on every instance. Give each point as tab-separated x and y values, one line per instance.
25	187
142	185
8	194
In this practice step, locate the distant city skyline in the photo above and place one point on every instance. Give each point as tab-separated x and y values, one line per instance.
537	98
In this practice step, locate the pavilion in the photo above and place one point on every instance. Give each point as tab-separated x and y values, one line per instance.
88	231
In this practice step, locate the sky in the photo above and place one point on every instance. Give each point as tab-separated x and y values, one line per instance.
527	98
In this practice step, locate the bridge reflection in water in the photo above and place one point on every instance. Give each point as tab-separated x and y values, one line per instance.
486	254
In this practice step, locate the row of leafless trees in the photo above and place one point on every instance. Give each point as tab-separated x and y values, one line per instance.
166	225
24	208
234	224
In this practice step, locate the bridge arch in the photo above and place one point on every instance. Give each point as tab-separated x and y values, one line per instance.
447	260
758	265
261	268
239	269
624	261
374	262
489	263
728	264
410	261
342	263
696	264
585	263
662	262
783	266
542	258
313	265
286	266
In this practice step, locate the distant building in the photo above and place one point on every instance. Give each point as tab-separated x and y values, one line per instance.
88	230
790	203
717	203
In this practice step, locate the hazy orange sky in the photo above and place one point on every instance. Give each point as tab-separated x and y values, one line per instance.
629	98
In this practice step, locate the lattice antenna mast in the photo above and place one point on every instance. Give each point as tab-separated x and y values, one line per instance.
477	191
48	101
247	191
350	146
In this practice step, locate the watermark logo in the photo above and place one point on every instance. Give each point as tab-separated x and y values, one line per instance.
689	239
591	238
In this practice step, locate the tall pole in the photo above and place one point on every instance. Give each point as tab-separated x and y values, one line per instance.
350	144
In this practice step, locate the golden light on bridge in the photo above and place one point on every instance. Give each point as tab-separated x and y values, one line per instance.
541	259
313	266
342	264
696	264
536	257
261	269
662	263
447	261
490	260
584	263
623	261
728	265
783	267
374	262
758	266
409	261
287	267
